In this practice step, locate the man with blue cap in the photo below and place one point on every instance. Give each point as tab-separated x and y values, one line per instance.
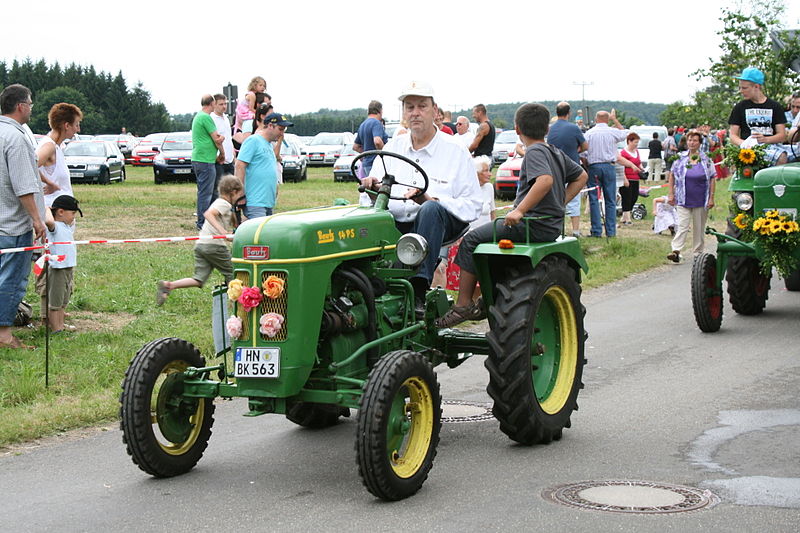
758	119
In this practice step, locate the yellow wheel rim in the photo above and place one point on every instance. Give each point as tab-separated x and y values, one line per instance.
195	420
561	357
410	427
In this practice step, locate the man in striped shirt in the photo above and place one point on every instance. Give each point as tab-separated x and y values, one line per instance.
21	205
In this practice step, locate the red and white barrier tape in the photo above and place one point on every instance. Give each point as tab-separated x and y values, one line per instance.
116	241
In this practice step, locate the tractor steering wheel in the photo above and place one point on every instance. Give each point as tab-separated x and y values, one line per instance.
393	181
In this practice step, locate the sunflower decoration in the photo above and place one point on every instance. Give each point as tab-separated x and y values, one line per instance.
746	161
747	156
776	235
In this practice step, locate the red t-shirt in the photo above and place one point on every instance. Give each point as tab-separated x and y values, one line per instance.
446	129
630	173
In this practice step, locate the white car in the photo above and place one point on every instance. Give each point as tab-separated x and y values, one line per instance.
505	143
645	134
325	148
341	168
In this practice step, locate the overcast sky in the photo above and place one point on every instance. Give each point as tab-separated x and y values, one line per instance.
340	55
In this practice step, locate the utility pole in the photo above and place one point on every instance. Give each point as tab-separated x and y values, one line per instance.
583	85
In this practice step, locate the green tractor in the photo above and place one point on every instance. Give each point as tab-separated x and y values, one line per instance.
326	323
772	193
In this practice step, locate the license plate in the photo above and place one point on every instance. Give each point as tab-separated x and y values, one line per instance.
183	171
316	157
76	174
257	363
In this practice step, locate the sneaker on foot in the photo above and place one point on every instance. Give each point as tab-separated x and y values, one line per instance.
675	256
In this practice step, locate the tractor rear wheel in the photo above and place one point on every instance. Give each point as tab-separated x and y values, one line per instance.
315	415
165	432
536	351
398	425
706	295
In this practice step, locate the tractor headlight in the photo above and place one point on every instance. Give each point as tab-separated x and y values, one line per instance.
744	201
412	249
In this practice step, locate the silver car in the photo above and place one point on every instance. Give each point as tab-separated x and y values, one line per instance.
325	148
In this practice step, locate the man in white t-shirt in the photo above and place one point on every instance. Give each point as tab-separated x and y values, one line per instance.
453	198
463	135
223	124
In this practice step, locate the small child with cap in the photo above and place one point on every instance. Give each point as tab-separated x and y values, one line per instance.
212	253
60	222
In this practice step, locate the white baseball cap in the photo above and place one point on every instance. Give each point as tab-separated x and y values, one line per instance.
417	88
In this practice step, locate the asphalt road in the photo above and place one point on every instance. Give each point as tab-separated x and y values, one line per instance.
663	402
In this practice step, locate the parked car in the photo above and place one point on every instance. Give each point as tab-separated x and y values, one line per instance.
175	159
504	144
125	142
505	184
342	167
325	148
147	149
645	136
295	164
94	161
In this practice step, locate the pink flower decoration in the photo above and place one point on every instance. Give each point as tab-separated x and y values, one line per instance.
234	327
250	298
271	323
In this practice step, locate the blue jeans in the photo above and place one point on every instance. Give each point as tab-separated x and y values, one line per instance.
437	225
603	174
14	270
255	211
206	174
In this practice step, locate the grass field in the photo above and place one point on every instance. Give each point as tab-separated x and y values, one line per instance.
113	304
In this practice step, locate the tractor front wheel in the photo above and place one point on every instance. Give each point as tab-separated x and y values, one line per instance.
792	283
536	351
398	425
706	295
165	432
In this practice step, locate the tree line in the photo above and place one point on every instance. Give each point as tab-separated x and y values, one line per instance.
107	103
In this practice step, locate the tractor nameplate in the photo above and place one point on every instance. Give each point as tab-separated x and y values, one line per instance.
258	253
257	363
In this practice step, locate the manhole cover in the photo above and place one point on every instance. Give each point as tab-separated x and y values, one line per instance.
459	412
631	497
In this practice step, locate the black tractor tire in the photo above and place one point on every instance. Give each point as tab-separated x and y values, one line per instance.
164	432
315	415
398	425
536	351
748	288
706	296
792	283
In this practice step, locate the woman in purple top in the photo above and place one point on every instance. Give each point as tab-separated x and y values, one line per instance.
691	189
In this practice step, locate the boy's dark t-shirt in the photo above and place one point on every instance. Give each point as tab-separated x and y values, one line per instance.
541	159
757	118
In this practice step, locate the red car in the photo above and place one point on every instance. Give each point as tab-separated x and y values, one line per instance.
505	184
143	154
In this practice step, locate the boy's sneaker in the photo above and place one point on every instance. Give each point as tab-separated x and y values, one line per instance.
161	292
675	256
577	234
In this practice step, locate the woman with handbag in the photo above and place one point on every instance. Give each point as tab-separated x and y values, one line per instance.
630	191
691	188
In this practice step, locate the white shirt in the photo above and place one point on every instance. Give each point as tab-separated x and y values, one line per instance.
58	173
224	129
465	139
451	176
603	143
487	190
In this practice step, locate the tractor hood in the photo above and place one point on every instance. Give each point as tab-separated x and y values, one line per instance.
778	188
312	235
